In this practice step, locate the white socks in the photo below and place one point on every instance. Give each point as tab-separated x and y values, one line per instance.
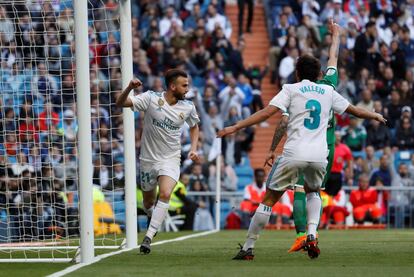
259	221
313	207
158	216
148	211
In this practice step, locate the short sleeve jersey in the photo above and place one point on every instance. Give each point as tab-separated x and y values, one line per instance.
162	125
309	105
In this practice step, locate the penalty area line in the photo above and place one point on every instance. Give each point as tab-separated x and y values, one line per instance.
98	258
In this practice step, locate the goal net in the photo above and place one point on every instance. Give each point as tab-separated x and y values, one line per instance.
39	210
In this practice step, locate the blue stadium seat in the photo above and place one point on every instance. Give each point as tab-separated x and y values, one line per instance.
358	154
224	211
243	182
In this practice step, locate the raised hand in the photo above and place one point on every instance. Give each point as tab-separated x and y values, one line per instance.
135	83
334	28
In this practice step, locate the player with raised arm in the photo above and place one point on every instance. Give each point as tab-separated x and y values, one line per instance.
309	105
165	114
299	204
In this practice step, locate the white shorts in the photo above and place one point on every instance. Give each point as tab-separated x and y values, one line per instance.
150	171
285	173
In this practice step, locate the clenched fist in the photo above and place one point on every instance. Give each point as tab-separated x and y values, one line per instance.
135	83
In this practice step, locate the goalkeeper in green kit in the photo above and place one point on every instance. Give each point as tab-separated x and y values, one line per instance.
299	205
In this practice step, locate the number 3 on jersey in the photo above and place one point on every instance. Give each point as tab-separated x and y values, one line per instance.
314	119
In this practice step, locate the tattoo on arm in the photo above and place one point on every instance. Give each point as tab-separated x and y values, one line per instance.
278	135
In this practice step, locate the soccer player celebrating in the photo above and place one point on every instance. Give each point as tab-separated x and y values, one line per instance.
309	105
165	114
299	204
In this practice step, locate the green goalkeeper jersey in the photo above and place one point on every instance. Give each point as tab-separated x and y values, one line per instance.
330	78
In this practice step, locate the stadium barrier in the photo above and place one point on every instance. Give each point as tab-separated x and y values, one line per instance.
399	206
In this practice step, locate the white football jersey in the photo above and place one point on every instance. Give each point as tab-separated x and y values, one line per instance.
309	105
161	137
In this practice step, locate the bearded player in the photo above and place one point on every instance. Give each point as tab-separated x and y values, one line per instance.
165	114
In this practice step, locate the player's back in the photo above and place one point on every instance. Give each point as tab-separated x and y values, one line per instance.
309	105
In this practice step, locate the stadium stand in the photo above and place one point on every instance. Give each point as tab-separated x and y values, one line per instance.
376	55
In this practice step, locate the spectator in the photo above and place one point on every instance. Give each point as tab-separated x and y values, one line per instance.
405	113
407	46
236	59
365	45
371	161
245	86
287	66
404	138
398	63
68	126
183	59
406	93
168	21
366	102
6	25
190	23
334	10
180	203
393	109
198	175
312	9
179	39
292	20
228	177
346	86
381	176
378	135
354	135
220	44
334	209
241	4
280	31
253	196
231	96
203	220
48	119
386	84
100	175
215	19
46	85
364	202
399	199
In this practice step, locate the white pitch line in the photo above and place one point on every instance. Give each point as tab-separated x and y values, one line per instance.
73	268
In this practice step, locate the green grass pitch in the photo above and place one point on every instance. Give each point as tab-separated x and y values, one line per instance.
343	253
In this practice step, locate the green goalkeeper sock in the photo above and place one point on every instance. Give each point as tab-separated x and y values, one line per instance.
299	212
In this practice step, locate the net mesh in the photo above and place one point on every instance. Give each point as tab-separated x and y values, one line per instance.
38	134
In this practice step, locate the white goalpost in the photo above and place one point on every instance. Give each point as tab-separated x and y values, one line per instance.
67	166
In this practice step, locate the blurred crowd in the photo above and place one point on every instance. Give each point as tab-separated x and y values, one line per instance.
38	154
38	142
376	71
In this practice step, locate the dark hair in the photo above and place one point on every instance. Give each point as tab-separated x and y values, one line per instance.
369	24
405	29
172	74
257	171
308	67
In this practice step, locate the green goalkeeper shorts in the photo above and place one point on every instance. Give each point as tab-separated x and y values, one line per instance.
331	151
